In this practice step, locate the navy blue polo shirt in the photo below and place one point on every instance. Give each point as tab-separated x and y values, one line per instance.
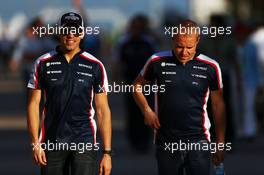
182	107
69	91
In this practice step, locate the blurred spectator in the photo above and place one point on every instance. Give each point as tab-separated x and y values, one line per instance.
134	49
251	79
258	39
6	48
28	48
222	49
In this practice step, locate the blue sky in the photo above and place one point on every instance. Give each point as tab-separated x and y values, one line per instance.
129	7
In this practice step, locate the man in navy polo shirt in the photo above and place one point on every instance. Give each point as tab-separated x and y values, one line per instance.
70	79
181	117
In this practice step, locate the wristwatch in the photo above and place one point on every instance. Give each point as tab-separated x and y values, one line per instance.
109	152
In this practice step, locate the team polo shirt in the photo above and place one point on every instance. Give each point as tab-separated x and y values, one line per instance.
69	91
182	107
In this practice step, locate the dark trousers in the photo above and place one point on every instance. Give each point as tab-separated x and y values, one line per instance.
183	162
70	163
139	134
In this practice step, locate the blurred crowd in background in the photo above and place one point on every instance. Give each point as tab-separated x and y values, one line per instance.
125	50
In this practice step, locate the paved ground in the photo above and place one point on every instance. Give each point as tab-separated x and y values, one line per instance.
15	155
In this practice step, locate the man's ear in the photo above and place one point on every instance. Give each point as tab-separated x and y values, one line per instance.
198	39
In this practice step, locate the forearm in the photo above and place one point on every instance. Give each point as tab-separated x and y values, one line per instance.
220	122
33	121
105	126
140	99
150	117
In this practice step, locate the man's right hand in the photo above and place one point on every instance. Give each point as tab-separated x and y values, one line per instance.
39	155
151	119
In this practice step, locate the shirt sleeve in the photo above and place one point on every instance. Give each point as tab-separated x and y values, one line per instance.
216	82
148	71
101	81
35	76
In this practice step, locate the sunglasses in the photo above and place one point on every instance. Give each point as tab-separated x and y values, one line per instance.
76	31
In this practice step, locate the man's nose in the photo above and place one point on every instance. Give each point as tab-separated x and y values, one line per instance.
185	51
70	35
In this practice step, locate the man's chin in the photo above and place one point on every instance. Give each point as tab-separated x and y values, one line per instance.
184	58
69	48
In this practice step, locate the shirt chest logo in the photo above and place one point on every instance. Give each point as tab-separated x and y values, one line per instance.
54	72
167	68
199	76
200	68
168	73
85	66
164	64
84	74
48	64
